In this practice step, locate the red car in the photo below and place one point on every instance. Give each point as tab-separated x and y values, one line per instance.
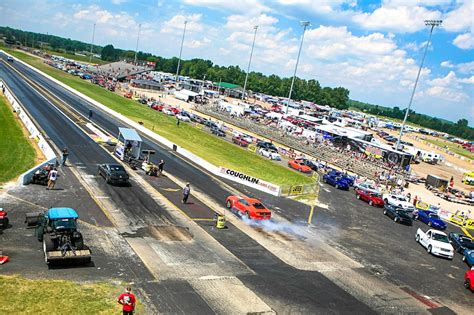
240	141
299	166
3	219
469	280
372	198
249	208
175	110
158	107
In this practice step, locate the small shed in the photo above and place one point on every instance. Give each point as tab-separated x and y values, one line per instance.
129	143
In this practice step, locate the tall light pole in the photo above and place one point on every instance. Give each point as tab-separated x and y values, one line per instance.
305	24
180	52
136	47
431	23
250	60
92	44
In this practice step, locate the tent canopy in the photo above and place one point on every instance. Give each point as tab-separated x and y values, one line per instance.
129	134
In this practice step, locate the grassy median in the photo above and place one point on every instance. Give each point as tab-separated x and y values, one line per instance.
16	152
25	296
208	147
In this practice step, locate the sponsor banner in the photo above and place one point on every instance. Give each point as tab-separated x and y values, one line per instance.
252	148
373	151
249	181
296	190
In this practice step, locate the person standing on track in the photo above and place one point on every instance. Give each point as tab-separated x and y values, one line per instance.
128	301
52	177
64	157
161	165
186	192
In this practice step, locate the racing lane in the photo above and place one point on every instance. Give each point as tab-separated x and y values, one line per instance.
172	297
300	287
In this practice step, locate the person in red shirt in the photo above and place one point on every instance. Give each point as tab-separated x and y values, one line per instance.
128	301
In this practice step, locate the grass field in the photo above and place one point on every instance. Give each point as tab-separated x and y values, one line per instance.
16	153
208	147
24	296
453	147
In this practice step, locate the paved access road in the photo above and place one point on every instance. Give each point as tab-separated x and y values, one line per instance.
269	271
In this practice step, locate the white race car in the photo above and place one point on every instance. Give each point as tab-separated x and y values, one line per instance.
398	201
269	153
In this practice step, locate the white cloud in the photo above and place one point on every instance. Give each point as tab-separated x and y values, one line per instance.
447	64
464	41
449	87
195	43
118	2
320	6
175	25
241	6
459	19
397	19
337	42
242	22
467	67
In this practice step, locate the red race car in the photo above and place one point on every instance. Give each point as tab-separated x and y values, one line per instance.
469	279
299	166
372	198
158	107
249	208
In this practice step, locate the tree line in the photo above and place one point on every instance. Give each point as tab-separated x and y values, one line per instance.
309	90
458	129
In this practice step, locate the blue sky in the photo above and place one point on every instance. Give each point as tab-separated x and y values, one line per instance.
372	48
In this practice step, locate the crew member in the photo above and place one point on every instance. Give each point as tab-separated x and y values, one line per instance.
127	300
186	192
161	165
64	157
52	177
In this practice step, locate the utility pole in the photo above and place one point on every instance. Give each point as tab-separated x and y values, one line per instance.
431	23
250	60
305	24
136	47
180	52
92	44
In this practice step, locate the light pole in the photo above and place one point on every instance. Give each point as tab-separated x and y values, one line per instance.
180	52
250	60
92	44
431	23
136	47
305	24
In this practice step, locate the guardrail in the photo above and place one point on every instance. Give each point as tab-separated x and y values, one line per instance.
34	131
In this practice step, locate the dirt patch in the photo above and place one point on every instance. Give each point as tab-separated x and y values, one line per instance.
163	233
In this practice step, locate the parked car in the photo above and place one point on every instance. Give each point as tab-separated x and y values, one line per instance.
430	218
398	201
240	141
217	131
249	208
269	153
337	181
113	173
266	145
309	163
435	242
372	198
399	215
183	117
460	242
468	257
168	111
469	280
299	166
10	59
367	186
158	107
